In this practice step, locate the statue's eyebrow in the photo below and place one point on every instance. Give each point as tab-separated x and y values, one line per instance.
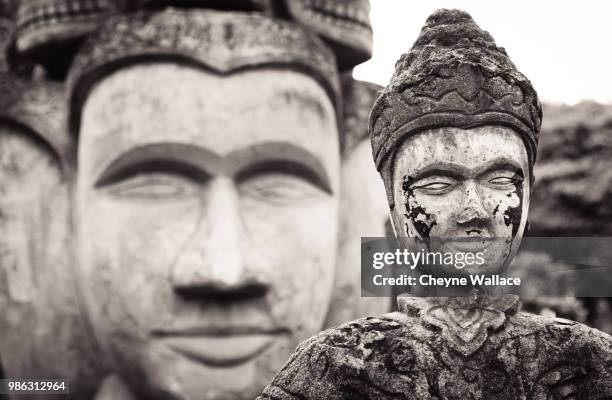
190	160
497	164
440	169
461	172
278	156
200	163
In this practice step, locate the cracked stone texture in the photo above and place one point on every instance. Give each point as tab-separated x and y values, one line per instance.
50	31
42	334
414	354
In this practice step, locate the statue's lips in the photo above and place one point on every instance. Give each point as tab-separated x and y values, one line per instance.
220	348
470	244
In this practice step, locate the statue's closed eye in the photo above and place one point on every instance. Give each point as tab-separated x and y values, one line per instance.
434	186
501	181
155	185
280	188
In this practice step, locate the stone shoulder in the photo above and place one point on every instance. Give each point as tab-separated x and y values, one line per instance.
398	356
368	358
562	330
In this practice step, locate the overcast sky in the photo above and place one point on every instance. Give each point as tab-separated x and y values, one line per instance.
564	47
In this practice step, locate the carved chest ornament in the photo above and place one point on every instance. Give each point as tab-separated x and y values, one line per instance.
464	323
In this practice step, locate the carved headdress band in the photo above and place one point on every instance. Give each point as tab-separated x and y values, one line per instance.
45	28
454	76
218	41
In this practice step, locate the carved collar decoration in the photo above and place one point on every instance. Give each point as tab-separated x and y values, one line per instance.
464	322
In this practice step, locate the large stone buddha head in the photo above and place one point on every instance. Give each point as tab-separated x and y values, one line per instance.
454	137
206	201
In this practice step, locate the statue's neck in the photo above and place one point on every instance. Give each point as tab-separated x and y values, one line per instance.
464	323
468	290
507	304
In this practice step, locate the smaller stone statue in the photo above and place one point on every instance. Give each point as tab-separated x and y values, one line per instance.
454	137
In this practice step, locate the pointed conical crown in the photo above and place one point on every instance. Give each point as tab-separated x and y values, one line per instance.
454	75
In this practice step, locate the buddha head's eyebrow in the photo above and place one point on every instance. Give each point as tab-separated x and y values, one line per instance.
278	156
188	159
201	163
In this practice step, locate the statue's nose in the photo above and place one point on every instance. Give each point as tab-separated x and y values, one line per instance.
472	211
211	264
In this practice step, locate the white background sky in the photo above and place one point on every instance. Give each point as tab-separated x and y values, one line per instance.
564	47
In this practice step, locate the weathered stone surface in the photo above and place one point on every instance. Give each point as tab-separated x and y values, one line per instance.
221	42
453	65
344	24
41	330
407	355
462	171
50	31
235	298
191	288
7	26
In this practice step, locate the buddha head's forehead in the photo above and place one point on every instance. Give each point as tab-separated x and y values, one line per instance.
223	43
228	115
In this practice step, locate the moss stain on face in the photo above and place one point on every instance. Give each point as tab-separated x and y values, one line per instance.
422	221
512	215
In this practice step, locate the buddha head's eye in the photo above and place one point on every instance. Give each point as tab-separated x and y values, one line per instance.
153	186
158	179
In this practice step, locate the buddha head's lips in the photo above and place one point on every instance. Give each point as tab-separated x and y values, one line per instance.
454	76
218	41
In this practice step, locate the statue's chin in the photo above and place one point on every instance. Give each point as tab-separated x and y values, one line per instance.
193	368
465	256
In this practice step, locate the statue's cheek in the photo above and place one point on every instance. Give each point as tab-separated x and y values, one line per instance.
509	209
419	217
